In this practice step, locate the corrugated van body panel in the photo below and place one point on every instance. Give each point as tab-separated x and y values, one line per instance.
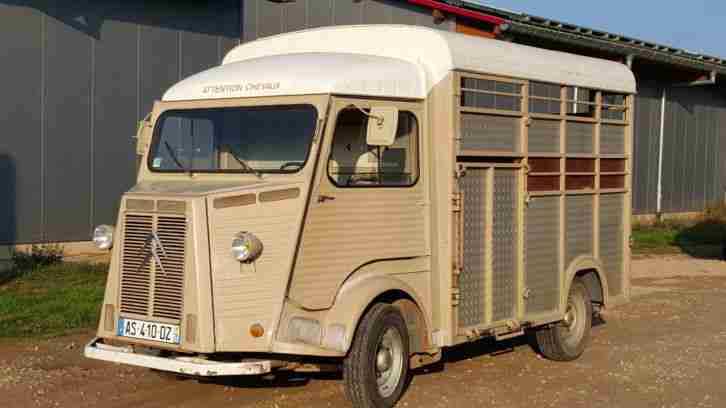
612	139
542	264
578	227
245	294
489	132
359	226
544	136
611	240
580	138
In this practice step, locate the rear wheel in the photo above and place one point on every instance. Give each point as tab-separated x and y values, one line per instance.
376	370
566	341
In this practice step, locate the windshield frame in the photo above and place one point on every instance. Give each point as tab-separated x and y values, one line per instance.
156	140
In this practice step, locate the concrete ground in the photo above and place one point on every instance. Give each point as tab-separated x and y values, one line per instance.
667	348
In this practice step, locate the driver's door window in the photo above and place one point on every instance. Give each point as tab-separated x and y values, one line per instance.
353	163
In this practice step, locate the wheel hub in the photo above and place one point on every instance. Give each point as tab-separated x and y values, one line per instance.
389	362
570	317
384	359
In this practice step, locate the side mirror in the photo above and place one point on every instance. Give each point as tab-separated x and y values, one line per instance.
382	126
143	135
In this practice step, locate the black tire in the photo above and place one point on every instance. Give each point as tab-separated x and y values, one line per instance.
380	324
567	340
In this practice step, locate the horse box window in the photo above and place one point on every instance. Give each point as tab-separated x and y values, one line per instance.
491	94
545	98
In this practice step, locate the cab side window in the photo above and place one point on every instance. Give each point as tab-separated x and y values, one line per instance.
353	163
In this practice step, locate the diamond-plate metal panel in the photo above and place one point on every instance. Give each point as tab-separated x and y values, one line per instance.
611	240
541	243
504	241
471	280
489	132
578	227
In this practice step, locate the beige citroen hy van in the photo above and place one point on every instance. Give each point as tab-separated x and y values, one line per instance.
363	197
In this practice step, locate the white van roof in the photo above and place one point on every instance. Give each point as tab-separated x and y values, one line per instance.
386	60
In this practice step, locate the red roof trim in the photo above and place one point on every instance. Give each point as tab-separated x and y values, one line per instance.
459	11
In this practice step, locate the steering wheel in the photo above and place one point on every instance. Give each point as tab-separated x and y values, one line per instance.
290	164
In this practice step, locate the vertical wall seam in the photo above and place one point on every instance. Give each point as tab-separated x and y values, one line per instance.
653	152
180	35
138	72
43	123
257	21
92	128
219	50
707	115
241	22
659	202
685	188
307	14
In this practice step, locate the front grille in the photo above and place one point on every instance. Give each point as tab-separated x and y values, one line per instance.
152	266
169	282
135	267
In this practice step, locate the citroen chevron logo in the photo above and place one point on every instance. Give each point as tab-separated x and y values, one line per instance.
153	248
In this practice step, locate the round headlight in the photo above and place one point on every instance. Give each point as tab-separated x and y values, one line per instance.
103	236
246	247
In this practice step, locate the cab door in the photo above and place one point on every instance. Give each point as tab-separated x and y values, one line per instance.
368	204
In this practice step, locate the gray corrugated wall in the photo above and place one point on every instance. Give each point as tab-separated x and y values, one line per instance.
76	76
645	147
264	18
695	126
692	148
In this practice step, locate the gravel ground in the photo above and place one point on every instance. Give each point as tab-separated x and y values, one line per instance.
667	348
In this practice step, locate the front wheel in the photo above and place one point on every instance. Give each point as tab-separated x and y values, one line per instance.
566	341
376	370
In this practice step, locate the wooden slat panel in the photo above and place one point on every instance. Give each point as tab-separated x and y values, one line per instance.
580	165
580	182
543	183
544	165
612	165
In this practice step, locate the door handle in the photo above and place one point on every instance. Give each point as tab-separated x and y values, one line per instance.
323	198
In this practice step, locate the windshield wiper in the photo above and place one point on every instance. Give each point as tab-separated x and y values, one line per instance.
242	163
176	158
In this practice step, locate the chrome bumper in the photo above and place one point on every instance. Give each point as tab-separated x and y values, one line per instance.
182	365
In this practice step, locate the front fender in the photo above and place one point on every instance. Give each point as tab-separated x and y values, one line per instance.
353	300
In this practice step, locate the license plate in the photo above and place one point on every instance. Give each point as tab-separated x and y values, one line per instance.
139	329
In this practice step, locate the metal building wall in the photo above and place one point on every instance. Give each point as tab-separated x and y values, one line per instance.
76	77
693	148
645	147
263	18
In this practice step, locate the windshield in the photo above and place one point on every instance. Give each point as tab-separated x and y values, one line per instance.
274	139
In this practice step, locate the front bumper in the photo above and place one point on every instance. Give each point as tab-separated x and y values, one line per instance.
195	366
